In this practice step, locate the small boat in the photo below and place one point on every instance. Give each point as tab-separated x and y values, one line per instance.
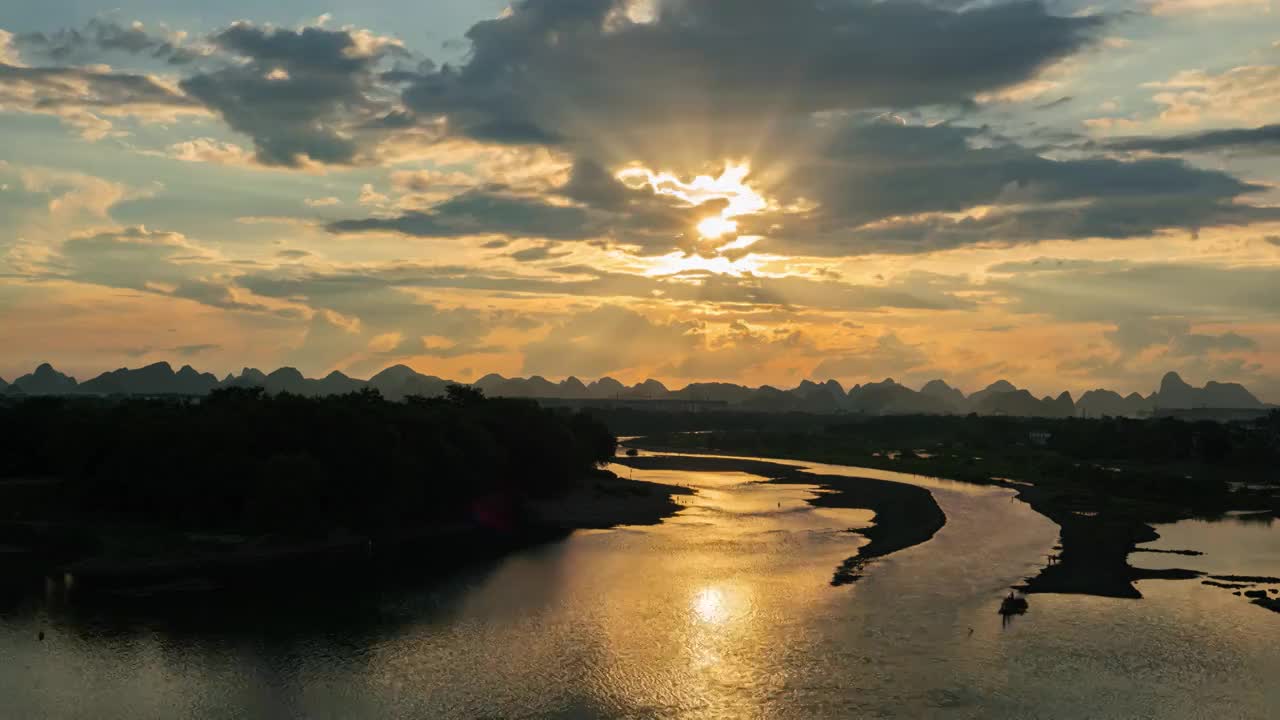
1013	605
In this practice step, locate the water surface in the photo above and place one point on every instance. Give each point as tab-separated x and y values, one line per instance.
724	611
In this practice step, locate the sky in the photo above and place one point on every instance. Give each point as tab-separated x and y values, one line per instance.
1066	195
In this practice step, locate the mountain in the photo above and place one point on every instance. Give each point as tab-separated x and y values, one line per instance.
820	398
604	388
647	390
1102	403
1062	406
335	383
44	381
887	397
996	388
953	398
155	379
1175	393
3	385
715	392
572	387
400	381
1017	402
286	379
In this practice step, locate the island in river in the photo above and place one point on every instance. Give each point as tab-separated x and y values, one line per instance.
905	515
1105	482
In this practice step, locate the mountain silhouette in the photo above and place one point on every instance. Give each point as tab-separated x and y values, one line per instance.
156	379
887	397
1175	393
44	381
952	397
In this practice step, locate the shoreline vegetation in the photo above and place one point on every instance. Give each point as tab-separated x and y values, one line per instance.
905	515
244	490
1105	483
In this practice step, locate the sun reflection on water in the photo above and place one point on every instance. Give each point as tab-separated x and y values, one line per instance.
709	606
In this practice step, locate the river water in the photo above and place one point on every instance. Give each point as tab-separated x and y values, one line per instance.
724	611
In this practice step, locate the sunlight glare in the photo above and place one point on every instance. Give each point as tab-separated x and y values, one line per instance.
731	187
716	227
709	606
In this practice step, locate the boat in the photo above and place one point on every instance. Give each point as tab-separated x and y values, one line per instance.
1013	605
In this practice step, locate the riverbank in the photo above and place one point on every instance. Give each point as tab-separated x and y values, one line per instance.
1097	533
905	515
1093	557
136	563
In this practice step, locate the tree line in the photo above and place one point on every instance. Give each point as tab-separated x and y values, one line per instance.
245	459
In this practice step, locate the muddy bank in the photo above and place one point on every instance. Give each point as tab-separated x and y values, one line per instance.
1093	558
906	515
609	501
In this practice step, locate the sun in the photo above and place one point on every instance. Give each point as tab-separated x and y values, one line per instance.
731	187
716	227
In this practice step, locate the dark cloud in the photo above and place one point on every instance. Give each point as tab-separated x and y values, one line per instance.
100	35
54	88
1264	139
190	350
486	211
297	93
887	187
1193	344
536	253
598	206
581	70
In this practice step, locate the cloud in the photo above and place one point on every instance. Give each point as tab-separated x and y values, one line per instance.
1246	94
296	93
586	74
1104	290
1179	7
1132	335
162	263
887	356
489	211
101	35
608	339
82	96
1195	345
192	350
1263	139
894	188
209	150
536	253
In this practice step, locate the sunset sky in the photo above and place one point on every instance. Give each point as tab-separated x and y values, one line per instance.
1068	195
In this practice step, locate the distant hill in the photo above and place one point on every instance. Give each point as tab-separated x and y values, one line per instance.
154	379
1100	403
887	397
44	381
1176	393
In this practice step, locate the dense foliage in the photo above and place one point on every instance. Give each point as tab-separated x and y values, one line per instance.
1150	459
243	458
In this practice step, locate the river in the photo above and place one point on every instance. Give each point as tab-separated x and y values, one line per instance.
724	611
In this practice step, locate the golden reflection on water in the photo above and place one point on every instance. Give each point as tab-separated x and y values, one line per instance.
724	611
709	606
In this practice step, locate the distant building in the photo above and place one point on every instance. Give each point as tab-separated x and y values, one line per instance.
1040	438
